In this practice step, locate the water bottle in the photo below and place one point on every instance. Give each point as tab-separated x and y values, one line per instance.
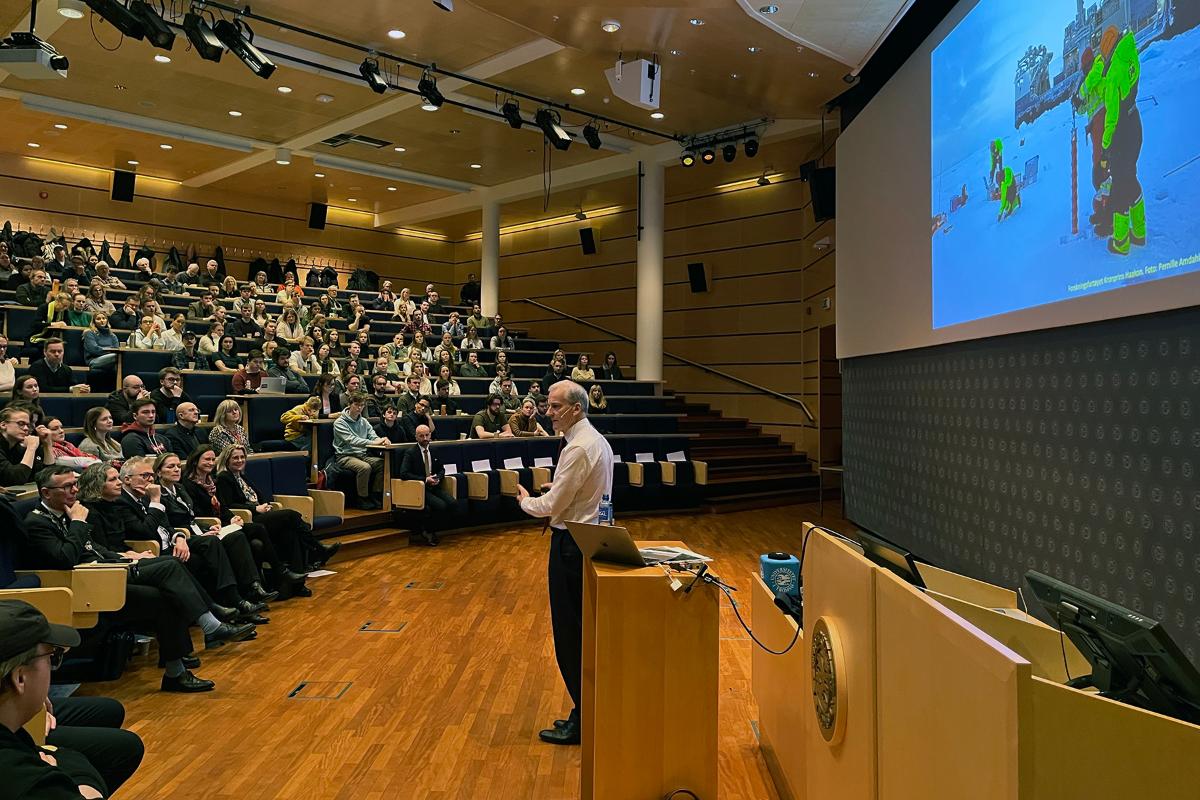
606	511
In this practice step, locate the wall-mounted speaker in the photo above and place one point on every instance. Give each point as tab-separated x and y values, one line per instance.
123	185
316	216
824	199
699	277
587	240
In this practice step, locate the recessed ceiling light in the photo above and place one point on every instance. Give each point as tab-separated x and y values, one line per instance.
577	91
283	156
284	89
771	9
318	174
675	52
753	49
235	113
71	9
396	34
610	26
33	144
324	98
733	75
351	199
160	58
132	163
477	166
60	126
428	106
391	188
455	131
167	147
398	149
814	74
697	21
657	115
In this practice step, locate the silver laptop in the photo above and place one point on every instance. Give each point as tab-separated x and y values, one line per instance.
614	545
272	385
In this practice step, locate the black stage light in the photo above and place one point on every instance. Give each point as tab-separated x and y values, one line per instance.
158	32
729	152
688	159
202	37
427	88
548	121
119	17
239	40
707	155
591	134
751	147
512	112
369	69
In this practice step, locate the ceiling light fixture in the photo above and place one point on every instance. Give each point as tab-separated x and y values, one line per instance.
283	156
283	89
396	34
392	189
814	74
697	21
578	92
160	58
610	26
318	174
512	113
60	126
753	49
550	123
734	75
657	115
708	155
729	152
120	17
371	73
427	88
166	147
399	149
688	158
132	163
235	113
751	147
72	9
476	166
324	98
675	52
238	37
591	135
351	199
32	144
201	35
157	31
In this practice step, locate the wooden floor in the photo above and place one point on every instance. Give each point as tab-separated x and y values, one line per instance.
423	673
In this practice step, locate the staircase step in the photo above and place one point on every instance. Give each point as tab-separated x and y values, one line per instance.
767	467
725	458
745	451
730	439
753	500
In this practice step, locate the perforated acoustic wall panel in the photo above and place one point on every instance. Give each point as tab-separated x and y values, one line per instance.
1070	451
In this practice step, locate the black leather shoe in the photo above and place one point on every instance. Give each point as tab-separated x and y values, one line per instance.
246	607
568	733
573	716
186	683
254	619
229	633
224	613
328	551
431	538
191	662
300	590
259	594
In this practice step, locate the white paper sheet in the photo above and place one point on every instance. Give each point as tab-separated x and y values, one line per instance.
451	469
645	458
543	462
513	463
482	465
676	456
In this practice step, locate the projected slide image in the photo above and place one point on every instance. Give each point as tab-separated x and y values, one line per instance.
1065	152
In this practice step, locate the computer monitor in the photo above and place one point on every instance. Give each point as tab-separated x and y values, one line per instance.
891	557
1133	658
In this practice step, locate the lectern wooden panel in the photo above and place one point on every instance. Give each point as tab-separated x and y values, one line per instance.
782	690
650	685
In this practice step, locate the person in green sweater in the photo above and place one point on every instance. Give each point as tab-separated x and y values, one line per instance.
1122	139
1010	195
77	315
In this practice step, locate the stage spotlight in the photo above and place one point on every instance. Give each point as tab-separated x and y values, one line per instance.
688	159
708	155
202	37
548	121
751	147
158	33
239	40
427	88
119	17
369	69
729	152
512	112
591	135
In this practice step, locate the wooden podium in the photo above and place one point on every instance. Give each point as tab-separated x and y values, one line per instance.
650	684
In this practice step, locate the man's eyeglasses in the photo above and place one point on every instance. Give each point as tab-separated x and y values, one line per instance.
66	487
145	474
56	657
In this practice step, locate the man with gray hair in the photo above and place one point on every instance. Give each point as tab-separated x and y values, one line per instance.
582	479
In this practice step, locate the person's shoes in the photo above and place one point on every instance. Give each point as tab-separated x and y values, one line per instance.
191	662
246	607
430	538
567	733
367	504
259	594
254	619
224	613
328	551
229	633
300	590
572	717
186	683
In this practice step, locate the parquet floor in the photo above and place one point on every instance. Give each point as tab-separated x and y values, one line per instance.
440	696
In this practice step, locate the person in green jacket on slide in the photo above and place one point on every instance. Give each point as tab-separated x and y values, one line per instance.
1010	195
1122	139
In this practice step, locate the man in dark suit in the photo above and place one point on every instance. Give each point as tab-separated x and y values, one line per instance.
185	435
52	373
420	464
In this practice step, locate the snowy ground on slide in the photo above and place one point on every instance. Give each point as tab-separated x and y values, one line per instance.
982	267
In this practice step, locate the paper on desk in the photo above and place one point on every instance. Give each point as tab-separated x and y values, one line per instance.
671	555
228	529
451	469
616	459
644	458
514	463
482	465
543	462
676	456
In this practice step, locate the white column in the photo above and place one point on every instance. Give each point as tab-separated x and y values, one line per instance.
650	276
489	266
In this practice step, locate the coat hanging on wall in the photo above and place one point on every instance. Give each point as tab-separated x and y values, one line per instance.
145	252
219	257
173	258
124	262
274	272
105	254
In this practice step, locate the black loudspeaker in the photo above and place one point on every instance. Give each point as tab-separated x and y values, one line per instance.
316	216
587	240
122	185
824	193
698	277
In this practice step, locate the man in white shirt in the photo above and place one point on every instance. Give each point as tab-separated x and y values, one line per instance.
582	478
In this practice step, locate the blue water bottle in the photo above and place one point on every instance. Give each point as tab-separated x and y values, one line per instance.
606	511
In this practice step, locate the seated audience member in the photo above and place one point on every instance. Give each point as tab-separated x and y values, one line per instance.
390	427
170	281
386	299
203	309
379	398
384	365
305	360
249	376
352	435
171	339
36	291
126	318
210	342
21	277
120	402
354	356
523	422
418	323
187	356
454	326
443	402
582	372
62	532
396	350
186	434
289	328
417	370
169	394
52	373
535	388
145	337
97	298
293	383
226	358
477	320
260	286
144	271
191	275
421	414
227	429
77	315
558	372
356	312
435	304
420	463
502	341
8	367
611	370
411	395
199	482
351	383
97	425
496	323
293	537
404	306
138	438
104	273
491	422
100	345
296	431
472	368
289	291
471	341
27	394
445	346
244	325
509	395
335	305
140	513
23	452
543	414
597	402
334	338
446	374
243	296
326	392
213	271
66	453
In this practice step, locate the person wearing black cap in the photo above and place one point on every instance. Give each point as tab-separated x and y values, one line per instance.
30	647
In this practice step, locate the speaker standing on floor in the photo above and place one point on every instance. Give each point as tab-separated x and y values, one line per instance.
316	216
698	277
122	185
587	240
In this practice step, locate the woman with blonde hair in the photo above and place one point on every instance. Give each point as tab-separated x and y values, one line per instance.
229	288
97	298
97	425
228	430
582	371
403	306
100	344
289	329
210	342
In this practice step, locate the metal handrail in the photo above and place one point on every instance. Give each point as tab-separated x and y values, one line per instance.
735	379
